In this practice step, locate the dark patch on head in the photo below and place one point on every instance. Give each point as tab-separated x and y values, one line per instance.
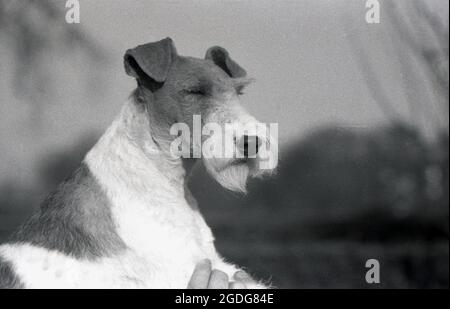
150	63
174	88
75	220
221	58
144	80
8	278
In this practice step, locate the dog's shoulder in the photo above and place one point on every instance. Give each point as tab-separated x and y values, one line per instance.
8	277
75	220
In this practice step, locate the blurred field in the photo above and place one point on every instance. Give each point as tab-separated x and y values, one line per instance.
340	264
340	197
330	209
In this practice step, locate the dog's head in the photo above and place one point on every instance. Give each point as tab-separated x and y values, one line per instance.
199	98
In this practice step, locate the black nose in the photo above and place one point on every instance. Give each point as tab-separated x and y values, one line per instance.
249	145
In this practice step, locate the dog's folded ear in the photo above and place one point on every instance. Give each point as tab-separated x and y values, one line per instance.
221	58
150	63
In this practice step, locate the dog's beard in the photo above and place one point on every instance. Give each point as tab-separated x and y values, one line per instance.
230	174
229	168
233	174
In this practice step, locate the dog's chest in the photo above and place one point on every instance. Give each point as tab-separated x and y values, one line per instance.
163	244
165	241
159	254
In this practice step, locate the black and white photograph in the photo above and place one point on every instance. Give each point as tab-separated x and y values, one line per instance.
247	145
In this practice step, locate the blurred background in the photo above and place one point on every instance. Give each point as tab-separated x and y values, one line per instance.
362	111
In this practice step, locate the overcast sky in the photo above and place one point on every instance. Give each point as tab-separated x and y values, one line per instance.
296	50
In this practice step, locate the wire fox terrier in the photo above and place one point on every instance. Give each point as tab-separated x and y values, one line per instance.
125	218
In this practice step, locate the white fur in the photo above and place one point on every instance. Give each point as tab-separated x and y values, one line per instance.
165	237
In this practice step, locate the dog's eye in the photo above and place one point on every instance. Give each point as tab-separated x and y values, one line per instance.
240	90
199	92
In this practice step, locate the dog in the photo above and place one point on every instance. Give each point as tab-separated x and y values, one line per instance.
126	218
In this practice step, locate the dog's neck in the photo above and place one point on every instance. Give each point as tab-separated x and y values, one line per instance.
137	145
146	187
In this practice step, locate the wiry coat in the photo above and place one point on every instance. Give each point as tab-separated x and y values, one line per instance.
121	221
125	219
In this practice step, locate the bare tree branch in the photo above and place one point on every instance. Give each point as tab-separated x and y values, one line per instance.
412	84
435	58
